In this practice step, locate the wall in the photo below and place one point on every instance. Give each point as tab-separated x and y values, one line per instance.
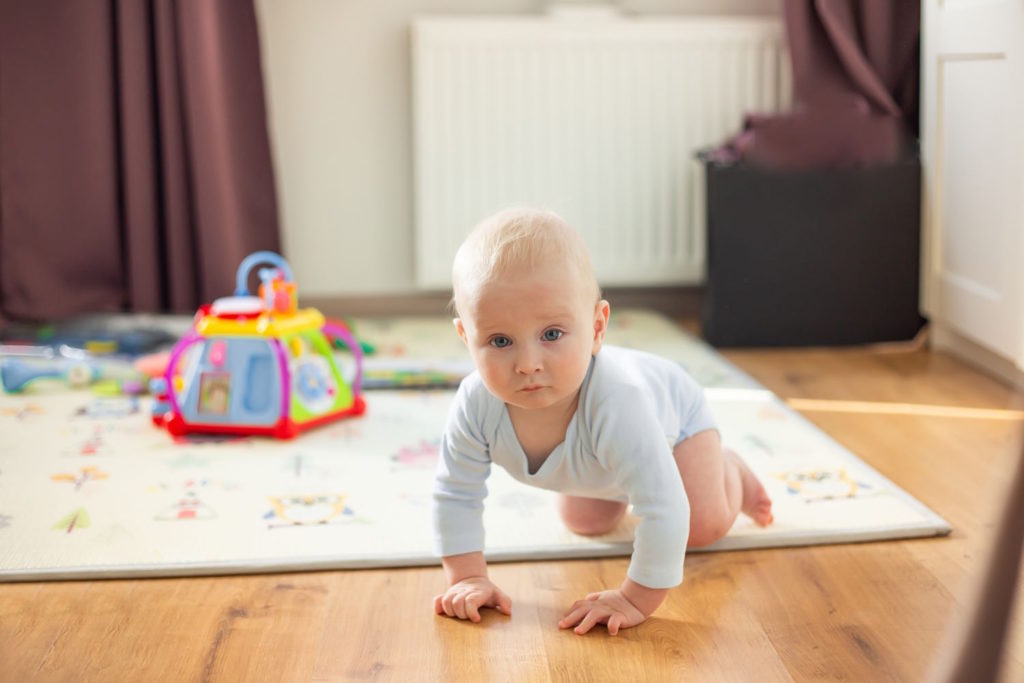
338	97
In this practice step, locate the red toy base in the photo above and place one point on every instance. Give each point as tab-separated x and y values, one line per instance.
285	428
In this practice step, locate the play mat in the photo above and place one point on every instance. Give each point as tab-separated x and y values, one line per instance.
90	488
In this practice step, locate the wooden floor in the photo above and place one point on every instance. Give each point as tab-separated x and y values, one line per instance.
864	612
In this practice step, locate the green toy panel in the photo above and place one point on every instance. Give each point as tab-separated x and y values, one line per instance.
315	374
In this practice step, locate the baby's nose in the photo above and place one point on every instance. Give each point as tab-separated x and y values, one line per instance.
528	361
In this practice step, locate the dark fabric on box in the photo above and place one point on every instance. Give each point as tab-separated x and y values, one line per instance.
823	257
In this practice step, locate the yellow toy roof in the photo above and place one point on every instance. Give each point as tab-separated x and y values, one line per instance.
265	325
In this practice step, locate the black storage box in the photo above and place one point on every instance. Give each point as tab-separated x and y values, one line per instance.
812	257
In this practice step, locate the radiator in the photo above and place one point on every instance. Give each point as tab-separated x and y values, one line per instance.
597	119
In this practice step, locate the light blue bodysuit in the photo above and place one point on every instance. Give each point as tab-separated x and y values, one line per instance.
633	408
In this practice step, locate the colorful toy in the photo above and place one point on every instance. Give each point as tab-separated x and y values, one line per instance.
367	348
403	373
21	365
257	364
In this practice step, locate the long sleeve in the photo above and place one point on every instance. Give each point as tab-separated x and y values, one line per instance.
629	435
460	481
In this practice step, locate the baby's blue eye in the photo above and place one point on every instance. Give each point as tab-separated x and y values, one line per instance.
552	335
501	342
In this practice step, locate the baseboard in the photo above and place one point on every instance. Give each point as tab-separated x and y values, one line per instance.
675	302
945	339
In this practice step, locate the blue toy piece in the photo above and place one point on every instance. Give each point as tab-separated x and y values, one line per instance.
16	374
20	365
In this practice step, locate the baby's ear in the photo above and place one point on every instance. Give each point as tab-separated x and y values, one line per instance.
461	329
601	313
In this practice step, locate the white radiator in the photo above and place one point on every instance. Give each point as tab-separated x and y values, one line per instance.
597	119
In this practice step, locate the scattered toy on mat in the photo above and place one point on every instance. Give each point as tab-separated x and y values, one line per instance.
347	325
257	364
386	373
20	365
153	364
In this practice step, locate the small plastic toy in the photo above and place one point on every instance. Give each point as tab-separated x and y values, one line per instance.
21	365
257	364
367	348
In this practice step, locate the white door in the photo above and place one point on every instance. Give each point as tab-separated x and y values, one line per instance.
973	148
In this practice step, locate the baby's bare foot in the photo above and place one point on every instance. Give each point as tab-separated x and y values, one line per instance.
756	503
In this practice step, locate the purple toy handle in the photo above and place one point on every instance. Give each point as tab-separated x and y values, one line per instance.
340	332
190	338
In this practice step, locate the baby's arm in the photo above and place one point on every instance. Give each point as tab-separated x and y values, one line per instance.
469	589
628	434
459	491
632	602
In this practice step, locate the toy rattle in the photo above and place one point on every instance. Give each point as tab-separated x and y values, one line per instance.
257	364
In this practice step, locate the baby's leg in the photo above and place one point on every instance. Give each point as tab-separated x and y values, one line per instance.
719	485
590	516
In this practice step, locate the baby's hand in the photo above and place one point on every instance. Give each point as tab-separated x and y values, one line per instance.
465	598
607	607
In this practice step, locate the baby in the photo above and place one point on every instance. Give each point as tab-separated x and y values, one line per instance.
604	426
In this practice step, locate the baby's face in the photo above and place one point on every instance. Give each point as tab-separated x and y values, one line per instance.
531	335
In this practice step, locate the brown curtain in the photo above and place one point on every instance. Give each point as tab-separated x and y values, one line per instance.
855	87
135	169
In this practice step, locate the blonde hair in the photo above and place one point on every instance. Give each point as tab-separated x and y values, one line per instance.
515	238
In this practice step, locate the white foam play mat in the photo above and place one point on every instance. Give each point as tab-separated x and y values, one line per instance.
89	487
